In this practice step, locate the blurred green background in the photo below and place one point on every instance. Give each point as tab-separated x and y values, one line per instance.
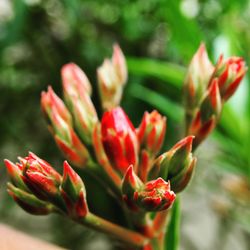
158	38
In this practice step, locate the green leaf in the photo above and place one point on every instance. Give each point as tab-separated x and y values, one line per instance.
173	231
167	72
186	32
162	103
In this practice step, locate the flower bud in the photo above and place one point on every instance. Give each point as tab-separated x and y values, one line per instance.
119	62
112	75
40	177
197	79
73	149
77	88
73	192
62	130
130	183
119	139
102	157
229	73
74	78
206	117
211	104
155	196
152	131
175	164
181	180
51	103
15	174
29	202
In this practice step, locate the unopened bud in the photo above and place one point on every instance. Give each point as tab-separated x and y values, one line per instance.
197	79
73	192
130	184
119	139
41	178
16	175
77	88
207	116
112	75
175	164
29	202
151	132
74	78
229	73
155	196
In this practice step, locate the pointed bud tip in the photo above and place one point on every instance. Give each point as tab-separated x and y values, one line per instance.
66	167
66	68
9	165
129	174
214	94
202	48
7	162
68	172
31	154
186	142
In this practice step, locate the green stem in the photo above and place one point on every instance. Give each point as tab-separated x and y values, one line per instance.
121	233
160	222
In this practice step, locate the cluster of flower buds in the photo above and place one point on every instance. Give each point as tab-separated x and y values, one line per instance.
128	156
39	189
73	127
119	145
206	89
112	76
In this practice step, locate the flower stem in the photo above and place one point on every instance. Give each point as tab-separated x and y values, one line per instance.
160	221
121	233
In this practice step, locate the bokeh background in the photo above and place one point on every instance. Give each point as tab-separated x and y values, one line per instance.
158	38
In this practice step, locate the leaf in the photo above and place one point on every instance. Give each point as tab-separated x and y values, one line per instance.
186	33
173	231
167	72
162	103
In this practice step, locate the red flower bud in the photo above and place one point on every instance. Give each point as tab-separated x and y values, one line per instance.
211	104
206	117
152	131
175	164
73	149
102	157
112	75
73	192
77	88
29	202
180	155
15	174
229	73
52	104
130	183
155	196
119	139
75	79
40	177
198	76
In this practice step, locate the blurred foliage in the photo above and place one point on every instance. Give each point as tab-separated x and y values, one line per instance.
159	38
